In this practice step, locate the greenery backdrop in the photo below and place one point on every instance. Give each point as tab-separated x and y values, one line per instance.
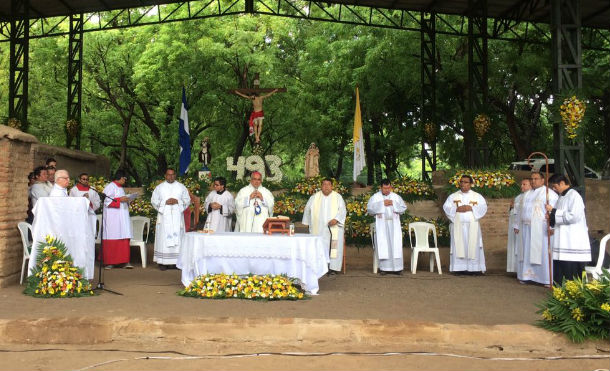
132	80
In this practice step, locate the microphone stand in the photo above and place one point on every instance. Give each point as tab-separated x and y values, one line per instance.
100	279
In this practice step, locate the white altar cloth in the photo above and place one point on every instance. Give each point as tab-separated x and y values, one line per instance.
301	256
66	218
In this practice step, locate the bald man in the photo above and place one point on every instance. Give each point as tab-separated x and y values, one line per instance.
60	187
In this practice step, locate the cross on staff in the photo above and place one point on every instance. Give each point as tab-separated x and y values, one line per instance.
257	96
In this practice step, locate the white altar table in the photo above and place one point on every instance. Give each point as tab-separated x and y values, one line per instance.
301	256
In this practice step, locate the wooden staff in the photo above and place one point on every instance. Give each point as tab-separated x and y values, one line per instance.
548	221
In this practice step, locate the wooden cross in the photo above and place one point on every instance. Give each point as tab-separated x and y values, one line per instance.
256	89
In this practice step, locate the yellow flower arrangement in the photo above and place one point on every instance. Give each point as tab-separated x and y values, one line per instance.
411	189
290	206
98	183
481	125
572	112
309	186
55	274
578	308
577	314
265	287
485	179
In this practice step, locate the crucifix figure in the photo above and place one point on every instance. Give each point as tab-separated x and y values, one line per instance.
256	117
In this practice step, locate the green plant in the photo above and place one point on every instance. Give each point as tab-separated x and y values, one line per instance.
578	308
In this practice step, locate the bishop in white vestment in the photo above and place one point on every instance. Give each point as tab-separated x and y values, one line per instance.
253	205
464	209
387	207
515	243
170	199
325	215
533	264
220	207
571	247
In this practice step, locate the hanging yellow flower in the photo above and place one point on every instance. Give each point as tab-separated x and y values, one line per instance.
72	127
430	131
481	125
14	123
572	111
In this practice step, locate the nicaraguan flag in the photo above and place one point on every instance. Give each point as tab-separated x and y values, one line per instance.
359	160
184	136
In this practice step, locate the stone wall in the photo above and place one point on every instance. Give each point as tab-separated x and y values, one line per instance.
20	153
15	166
74	161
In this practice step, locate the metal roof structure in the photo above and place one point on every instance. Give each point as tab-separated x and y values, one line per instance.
595	13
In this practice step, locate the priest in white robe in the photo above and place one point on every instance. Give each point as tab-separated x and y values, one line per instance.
325	214
60	186
533	264
220	206
253	205
515	243
116	224
170	199
387	207
464	209
571	247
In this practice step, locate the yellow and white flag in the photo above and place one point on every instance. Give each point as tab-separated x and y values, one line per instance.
359	161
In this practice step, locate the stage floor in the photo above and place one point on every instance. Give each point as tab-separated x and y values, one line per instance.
492	299
358	318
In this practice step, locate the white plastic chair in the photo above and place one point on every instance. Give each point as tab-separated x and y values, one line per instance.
375	256
422	244
140	224
596	270
98	227
27	245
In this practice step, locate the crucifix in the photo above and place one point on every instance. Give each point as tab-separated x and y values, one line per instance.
256	95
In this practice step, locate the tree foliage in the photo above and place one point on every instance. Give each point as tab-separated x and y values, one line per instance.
132	82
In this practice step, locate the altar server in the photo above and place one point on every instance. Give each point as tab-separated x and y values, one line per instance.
82	189
515	243
220	207
571	247
464	209
253	205
117	225
325	215
170	199
387	206
534	262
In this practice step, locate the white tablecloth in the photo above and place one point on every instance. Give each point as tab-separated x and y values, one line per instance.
301	256
66	218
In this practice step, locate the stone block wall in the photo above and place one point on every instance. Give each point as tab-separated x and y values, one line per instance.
15	166
74	161
19	154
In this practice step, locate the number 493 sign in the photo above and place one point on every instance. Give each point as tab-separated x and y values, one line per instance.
256	163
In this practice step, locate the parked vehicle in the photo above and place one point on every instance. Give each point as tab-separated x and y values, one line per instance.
539	165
